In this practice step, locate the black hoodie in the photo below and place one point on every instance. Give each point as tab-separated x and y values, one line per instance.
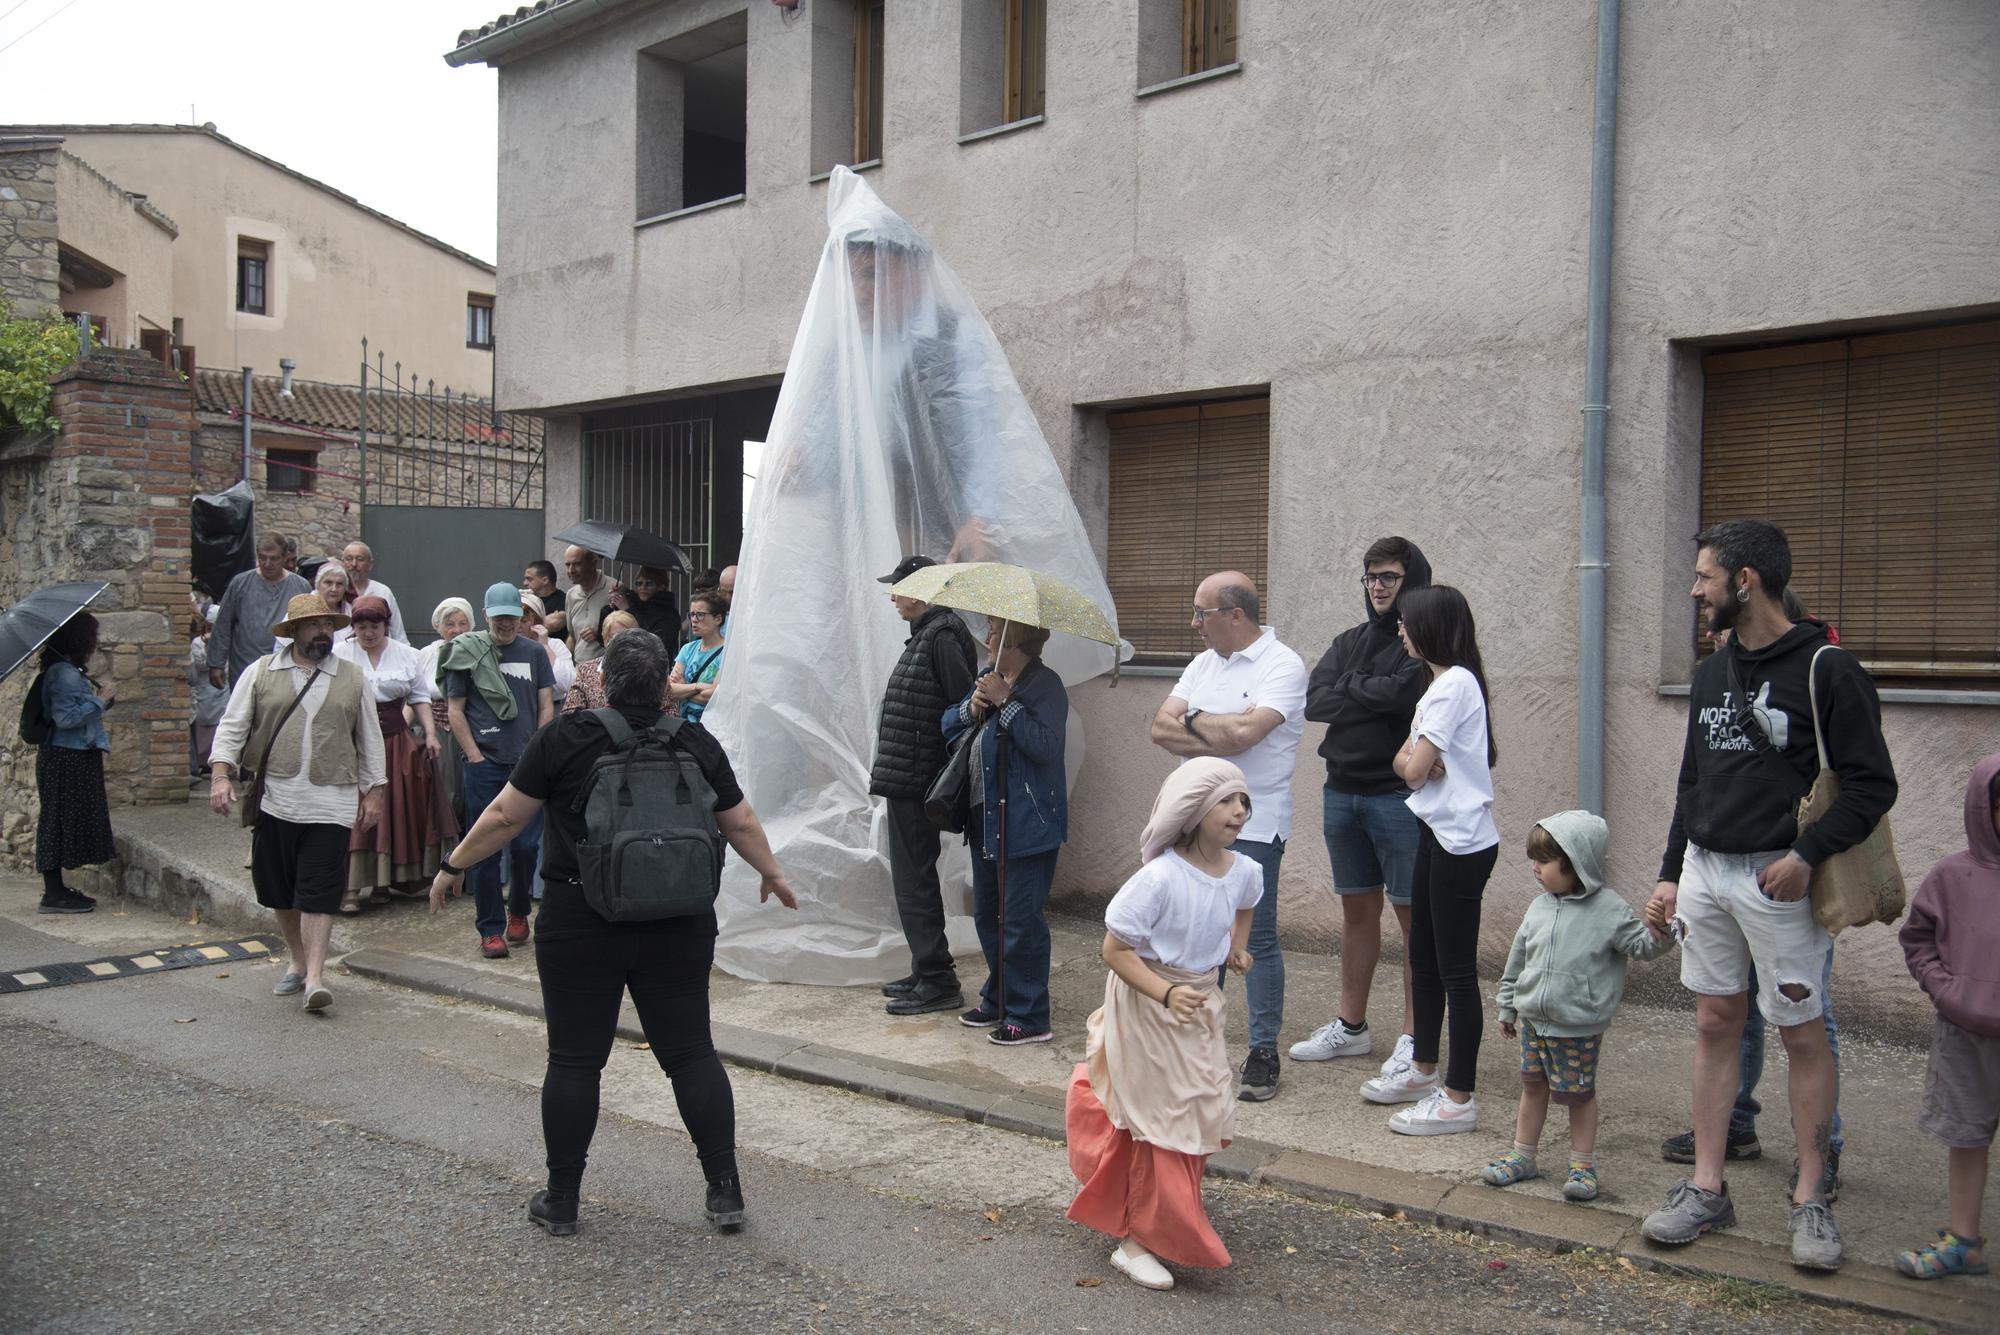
1366	688
1733	800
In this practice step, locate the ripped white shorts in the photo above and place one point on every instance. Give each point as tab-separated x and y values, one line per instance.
1732	924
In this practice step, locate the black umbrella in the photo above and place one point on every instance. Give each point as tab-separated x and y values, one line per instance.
27	625
623	542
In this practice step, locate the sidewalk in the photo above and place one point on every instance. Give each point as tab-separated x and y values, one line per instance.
1317	1138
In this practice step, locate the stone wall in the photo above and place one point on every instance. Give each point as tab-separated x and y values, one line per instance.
28	261
323	519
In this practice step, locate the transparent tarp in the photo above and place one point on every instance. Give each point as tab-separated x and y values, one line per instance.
900	429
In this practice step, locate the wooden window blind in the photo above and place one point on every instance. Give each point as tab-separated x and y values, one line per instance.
1208	35
1880	458
1026	85
867	80
1190	495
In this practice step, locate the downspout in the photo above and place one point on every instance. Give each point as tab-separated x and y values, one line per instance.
1590	566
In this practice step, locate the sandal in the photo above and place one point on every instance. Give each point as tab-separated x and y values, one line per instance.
1582	1184
1509	1168
1949	1255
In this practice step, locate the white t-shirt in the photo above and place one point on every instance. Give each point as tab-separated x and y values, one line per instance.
1268	675
1459	807
1174	913
399	676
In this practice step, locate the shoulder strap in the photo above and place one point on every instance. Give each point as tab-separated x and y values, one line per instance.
264	760
1812	694
615	725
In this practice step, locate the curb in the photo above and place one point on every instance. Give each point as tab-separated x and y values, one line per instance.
1037	1110
153	872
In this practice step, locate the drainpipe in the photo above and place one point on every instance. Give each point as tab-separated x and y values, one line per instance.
246	422
1590	566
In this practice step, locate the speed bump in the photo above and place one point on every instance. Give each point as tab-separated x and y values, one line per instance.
45	976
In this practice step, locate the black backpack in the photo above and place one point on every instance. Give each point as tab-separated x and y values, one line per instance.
36	727
650	847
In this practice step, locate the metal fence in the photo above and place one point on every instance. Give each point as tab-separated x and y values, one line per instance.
422	446
659	477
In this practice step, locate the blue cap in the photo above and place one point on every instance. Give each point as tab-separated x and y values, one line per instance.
503	600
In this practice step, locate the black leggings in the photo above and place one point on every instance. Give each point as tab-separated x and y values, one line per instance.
1445	893
584	979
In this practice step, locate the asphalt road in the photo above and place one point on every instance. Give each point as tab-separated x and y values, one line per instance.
186	1152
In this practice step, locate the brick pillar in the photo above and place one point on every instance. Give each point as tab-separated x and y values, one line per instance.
117	509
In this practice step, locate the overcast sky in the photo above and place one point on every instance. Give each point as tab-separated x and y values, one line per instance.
355	94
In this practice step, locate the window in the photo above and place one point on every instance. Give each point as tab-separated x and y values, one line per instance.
693	101
290	470
478	320
1190	495
1880	458
253	260
1182	37
867	80
1003	59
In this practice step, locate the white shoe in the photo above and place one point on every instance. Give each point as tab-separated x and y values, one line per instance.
1405	1084
1405	1053
1437	1115
1334	1039
1140	1266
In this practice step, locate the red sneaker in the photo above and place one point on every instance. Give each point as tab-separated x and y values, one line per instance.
494	947
517	929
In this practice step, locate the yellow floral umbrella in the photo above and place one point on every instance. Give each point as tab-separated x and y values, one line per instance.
1009	593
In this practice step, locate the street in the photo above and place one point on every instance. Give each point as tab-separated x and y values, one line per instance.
189	1152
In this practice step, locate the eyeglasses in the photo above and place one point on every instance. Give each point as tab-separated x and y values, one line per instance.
1204	613
1384	580
701	616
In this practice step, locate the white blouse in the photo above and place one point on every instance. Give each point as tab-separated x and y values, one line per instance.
1175	913
399	676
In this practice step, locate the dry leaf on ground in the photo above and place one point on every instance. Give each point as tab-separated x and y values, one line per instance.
992	1215
1088	1283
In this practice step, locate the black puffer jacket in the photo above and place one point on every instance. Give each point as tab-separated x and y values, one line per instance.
1365	690
934	673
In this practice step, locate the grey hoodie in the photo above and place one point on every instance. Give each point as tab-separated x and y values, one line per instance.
1566	972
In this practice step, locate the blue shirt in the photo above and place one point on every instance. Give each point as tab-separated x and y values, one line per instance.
76	713
698	665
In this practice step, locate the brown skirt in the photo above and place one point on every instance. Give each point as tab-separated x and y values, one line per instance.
417	826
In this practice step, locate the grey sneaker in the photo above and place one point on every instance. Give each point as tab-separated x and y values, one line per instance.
1689	1213
1815	1237
290	985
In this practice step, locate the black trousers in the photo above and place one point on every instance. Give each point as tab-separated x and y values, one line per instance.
1446	891
584	981
914	846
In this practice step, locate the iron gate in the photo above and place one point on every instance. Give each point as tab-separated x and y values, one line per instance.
659	477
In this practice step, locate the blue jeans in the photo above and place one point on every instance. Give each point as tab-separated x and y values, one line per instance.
1027	982
1265	983
483	783
1743	1117
1371	840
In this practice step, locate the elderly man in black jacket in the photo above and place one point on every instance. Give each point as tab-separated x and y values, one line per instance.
933	674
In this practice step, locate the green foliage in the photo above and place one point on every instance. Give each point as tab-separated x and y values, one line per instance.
31	351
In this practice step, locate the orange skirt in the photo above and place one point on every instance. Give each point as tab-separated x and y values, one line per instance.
1136	1189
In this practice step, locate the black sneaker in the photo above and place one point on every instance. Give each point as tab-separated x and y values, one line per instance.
927	997
981	1016
1829	1178
69	901
1260	1076
554	1211
725	1202
1742	1145
902	987
1015	1035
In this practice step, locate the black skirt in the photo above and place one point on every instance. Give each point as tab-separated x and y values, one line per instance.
75	825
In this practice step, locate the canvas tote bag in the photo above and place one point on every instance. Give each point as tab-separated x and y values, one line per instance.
1862	884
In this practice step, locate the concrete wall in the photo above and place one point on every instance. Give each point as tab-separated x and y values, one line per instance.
28	263
1383	218
124	234
337	273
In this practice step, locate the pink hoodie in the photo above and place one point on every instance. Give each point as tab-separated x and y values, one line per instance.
1952	937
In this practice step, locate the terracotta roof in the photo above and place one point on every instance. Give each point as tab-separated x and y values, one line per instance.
336	409
219	137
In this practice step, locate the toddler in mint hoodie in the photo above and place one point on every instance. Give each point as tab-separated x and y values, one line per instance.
1564	979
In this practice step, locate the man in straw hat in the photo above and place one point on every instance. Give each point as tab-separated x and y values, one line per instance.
304	718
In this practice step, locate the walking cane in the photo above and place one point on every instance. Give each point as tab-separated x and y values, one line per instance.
1000	873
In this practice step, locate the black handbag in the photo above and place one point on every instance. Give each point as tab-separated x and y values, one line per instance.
948	801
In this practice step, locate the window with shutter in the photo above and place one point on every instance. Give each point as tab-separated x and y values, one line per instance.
1026	76
1880	458
868	47
1190	495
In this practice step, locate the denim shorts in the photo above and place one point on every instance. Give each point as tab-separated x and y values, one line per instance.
1371	839
1732	924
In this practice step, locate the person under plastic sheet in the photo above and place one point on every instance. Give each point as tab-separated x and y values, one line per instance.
900	428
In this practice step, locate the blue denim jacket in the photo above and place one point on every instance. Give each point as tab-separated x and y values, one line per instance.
1037	787
75	712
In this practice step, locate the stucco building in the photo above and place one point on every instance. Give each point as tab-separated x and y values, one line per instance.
1282	276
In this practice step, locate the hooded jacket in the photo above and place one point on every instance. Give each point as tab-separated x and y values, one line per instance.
1951	939
1365	689
1565	974
1732	799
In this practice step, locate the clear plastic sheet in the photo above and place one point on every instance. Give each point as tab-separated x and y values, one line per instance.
900	429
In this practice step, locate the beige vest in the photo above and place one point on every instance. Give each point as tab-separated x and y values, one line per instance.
334	759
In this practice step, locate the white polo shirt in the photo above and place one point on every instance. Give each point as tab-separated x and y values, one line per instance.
1266	675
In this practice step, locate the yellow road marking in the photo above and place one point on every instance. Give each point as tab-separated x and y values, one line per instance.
30	979
254	947
148	961
213	953
103	969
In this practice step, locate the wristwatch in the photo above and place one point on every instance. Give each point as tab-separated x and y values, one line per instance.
444	865
1187	719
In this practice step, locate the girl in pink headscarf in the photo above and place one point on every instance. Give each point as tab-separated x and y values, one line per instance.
1155	1096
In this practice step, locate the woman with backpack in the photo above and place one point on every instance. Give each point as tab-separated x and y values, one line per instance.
603	931
75	825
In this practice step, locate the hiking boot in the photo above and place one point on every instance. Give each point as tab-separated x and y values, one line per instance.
925	998
1016	1035
724	1207
1334	1039
1437	1115
493	947
1260	1076
555	1211
69	901
517	929
1742	1145
1829	1177
901	987
1689	1213
1815	1237
981	1016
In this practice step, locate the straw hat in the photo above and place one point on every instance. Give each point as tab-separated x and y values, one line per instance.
302	607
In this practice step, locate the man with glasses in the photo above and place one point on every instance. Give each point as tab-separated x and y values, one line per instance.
1243	698
1365	689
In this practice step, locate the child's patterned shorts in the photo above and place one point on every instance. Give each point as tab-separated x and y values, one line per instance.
1567	1065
